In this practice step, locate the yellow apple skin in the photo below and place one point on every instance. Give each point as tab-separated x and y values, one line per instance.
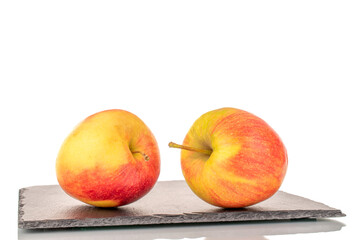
247	164
110	159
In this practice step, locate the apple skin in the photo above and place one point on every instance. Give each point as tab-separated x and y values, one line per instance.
100	162
248	162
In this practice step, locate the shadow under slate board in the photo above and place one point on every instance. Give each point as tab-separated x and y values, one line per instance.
169	202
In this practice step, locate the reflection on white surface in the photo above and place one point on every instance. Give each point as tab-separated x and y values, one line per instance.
224	231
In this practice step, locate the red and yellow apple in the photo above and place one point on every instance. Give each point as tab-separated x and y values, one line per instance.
110	159
231	158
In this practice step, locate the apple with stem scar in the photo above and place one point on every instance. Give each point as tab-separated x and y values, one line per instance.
231	158
110	159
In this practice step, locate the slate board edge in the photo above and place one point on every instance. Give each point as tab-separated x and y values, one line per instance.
21	221
180	219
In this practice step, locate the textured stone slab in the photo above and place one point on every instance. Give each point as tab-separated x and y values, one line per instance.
169	202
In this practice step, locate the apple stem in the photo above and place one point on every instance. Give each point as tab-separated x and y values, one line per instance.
205	151
146	157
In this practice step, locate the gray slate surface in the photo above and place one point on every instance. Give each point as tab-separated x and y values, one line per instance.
169	202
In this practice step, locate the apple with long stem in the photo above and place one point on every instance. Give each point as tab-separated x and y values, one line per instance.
110	159
231	158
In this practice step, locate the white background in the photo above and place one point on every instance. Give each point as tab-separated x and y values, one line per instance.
296	64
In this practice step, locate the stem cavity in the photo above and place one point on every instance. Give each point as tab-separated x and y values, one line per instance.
146	157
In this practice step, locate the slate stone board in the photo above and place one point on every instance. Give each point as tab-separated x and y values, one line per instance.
168	202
